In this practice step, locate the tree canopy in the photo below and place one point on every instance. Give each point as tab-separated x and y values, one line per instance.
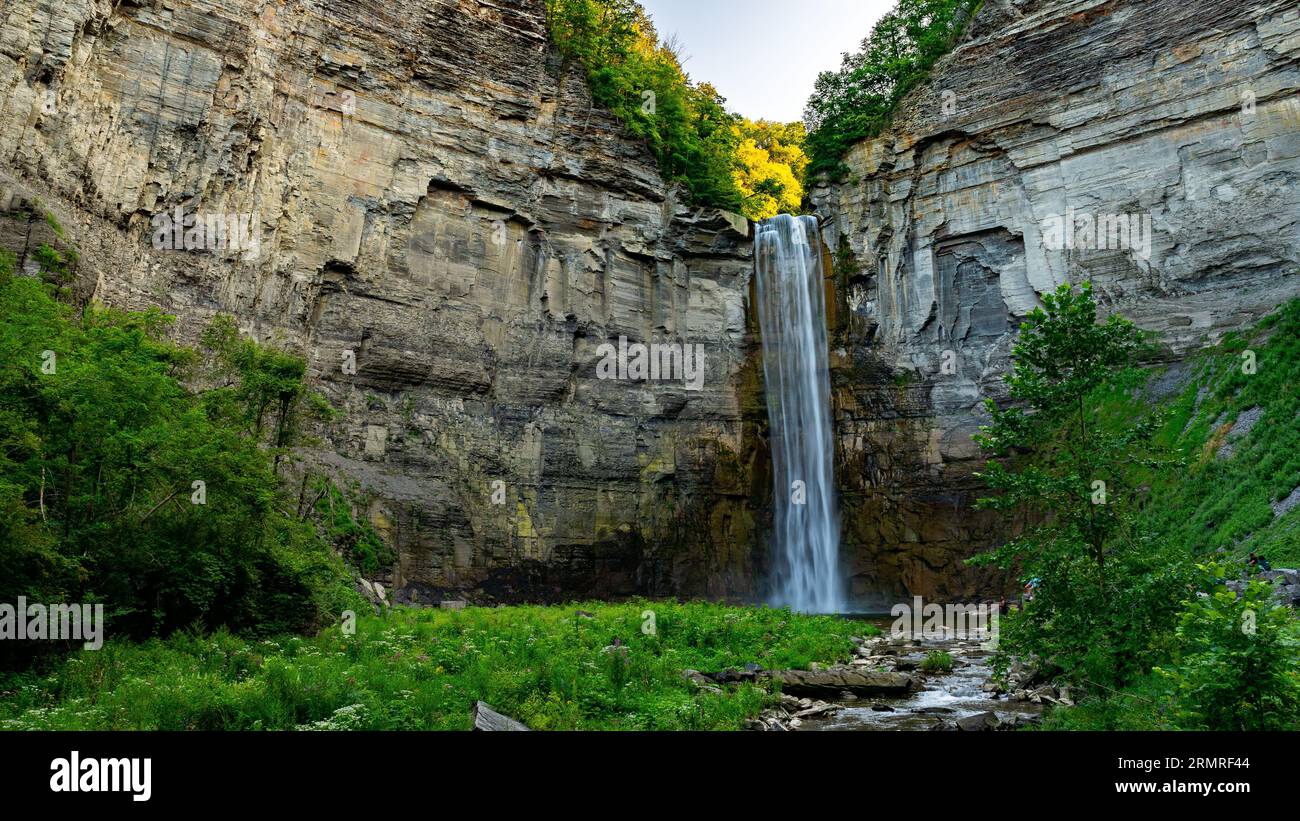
721	159
858	100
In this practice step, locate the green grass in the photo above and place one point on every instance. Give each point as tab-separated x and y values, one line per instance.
1226	502
1144	705
937	661
424	669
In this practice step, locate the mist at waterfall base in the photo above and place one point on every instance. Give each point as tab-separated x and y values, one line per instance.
792	317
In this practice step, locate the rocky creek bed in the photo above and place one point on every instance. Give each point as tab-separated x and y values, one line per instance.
885	687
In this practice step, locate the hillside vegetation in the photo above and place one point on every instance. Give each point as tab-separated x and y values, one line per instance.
721	159
148	475
1139	497
859	99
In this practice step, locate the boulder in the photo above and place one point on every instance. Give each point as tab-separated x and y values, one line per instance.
830	683
980	722
488	720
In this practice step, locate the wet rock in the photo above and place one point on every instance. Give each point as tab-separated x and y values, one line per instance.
980	722
818	709
829	683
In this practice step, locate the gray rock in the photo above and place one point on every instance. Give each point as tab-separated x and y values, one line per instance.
1045	107
437	199
829	683
488	720
979	722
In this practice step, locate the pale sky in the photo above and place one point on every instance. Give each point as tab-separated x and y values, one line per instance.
764	55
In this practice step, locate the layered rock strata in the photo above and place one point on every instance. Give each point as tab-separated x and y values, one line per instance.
1174	128
439	219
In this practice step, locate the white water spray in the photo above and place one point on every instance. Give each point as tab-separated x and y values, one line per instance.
792	315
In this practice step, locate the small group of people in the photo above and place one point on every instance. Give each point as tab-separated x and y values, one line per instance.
1258	563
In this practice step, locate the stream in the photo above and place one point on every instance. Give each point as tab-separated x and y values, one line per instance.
945	699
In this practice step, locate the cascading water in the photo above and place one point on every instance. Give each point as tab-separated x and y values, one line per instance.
792	316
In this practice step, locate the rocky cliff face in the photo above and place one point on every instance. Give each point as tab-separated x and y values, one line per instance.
1173	129
443	224
439	219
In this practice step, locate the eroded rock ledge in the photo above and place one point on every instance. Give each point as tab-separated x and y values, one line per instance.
436	196
1186	114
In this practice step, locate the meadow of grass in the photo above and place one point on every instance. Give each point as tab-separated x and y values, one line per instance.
576	667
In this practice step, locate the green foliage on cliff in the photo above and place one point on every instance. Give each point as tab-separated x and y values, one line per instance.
858	100
723	160
101	445
590	666
351	535
641	81
1238	432
1125	603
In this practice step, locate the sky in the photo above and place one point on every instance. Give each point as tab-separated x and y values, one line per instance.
765	55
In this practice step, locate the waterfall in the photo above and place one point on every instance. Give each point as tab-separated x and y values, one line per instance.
792	316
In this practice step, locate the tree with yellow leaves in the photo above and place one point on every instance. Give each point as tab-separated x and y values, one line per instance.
769	168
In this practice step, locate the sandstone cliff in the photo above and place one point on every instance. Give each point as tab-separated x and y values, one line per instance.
435	199
1183	115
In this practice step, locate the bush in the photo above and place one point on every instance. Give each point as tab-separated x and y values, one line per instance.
937	661
1238	660
101	447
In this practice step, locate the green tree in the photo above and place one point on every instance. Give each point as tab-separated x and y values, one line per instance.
119	484
1105	588
642	82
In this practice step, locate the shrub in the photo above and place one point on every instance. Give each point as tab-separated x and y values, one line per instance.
937	661
1238	661
101	444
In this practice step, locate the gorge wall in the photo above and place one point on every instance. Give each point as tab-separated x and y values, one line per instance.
436	199
1183	114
